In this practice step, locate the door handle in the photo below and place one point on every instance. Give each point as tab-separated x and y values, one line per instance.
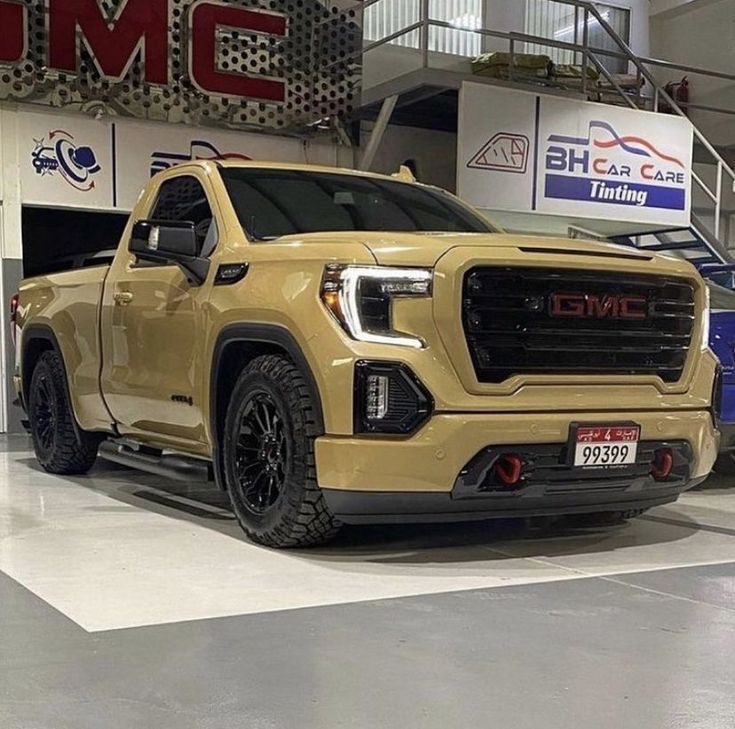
122	298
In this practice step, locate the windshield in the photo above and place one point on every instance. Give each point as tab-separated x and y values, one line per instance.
273	203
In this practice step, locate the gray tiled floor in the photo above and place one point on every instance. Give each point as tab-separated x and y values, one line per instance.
459	627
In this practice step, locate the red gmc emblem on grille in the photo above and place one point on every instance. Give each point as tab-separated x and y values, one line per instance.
599	306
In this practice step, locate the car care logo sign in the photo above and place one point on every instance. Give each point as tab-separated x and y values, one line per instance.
616	164
59	154
283	64
526	152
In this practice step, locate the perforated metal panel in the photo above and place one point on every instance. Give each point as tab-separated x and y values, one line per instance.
316	59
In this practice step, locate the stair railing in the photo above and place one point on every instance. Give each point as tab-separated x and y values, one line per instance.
591	56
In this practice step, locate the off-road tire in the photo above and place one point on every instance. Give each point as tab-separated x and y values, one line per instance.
60	447
299	516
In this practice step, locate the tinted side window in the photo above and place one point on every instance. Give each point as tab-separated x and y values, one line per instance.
183	199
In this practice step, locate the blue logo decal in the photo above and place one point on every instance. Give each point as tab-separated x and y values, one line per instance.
76	165
198	150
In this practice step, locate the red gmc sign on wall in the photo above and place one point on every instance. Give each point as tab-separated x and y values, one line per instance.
179	54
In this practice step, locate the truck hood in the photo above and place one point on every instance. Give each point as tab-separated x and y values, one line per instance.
425	249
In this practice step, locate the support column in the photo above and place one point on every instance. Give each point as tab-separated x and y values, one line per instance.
11	260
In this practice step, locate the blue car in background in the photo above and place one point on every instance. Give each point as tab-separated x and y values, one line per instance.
709	260
722	343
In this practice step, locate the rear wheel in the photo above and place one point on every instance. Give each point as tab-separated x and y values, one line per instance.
60	447
268	454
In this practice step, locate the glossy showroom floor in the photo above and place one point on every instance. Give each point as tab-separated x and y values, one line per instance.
131	602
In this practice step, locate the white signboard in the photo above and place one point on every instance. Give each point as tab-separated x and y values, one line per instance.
72	161
144	149
65	161
526	152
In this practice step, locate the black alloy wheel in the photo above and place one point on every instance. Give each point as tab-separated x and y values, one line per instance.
268	458
44	412
262	453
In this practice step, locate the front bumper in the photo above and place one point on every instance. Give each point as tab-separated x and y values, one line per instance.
367	480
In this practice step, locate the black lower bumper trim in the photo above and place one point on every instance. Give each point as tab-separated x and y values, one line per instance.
361	507
548	473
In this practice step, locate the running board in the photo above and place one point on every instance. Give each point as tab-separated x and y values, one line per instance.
176	467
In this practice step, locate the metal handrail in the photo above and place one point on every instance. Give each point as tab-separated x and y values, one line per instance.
722	166
591	55
550	43
662	63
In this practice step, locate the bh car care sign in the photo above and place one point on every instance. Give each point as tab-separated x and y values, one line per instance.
525	152
261	63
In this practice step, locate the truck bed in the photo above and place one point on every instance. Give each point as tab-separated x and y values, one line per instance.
68	305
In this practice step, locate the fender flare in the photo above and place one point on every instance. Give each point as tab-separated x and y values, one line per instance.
271	334
45	332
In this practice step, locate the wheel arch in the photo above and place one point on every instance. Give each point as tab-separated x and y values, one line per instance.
37	339
236	346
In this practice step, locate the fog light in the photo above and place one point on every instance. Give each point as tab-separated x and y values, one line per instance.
389	399
376	397
508	469
663	464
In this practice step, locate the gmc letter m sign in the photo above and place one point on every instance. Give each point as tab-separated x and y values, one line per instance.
182	52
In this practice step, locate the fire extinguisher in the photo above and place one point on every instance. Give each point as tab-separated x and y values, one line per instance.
679	92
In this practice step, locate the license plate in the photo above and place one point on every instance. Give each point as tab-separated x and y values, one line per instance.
605	446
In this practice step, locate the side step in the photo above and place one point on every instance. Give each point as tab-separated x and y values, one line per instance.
176	467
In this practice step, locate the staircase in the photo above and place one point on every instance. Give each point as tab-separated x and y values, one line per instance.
713	179
702	241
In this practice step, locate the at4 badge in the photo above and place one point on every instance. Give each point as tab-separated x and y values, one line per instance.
76	165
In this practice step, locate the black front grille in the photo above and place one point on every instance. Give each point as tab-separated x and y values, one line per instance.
513	322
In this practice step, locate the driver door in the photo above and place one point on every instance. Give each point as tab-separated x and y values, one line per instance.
153	324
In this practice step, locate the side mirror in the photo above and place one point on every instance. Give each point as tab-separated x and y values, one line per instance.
170	242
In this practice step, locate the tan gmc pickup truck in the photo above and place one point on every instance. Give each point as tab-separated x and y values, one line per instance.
337	347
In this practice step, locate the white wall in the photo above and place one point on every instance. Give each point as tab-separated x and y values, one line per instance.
10	256
701	34
640	31
434	152
127	152
510	15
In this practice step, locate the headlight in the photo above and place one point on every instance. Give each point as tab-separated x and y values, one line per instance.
361	298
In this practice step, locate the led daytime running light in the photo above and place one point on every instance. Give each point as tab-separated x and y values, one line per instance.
341	294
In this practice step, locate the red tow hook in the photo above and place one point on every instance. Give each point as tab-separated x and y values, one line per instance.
663	464
509	469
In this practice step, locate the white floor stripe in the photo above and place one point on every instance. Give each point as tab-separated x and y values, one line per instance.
101	555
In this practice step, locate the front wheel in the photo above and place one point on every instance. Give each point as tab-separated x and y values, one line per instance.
60	447
268	454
